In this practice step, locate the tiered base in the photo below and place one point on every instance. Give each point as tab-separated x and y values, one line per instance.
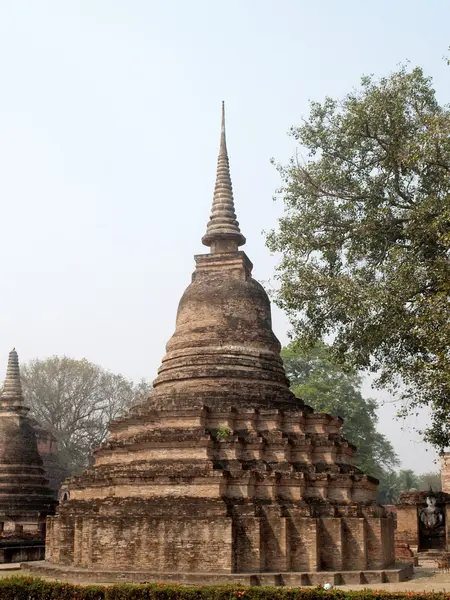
396	574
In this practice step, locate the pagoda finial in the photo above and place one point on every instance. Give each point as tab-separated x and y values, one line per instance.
223	139
12	388
222	232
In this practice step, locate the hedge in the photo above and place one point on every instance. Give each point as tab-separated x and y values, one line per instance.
33	588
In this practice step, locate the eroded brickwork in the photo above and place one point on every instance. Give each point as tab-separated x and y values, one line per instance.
222	470
445	472
25	498
410	535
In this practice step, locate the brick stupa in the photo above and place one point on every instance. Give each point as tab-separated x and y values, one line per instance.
222	474
25	498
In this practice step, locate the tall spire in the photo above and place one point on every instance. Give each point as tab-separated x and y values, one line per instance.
222	232
12	388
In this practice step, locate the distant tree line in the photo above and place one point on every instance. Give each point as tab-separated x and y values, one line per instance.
393	483
76	400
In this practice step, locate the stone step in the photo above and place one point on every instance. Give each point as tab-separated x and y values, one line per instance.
396	574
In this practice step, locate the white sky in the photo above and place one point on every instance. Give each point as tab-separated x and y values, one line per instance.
109	130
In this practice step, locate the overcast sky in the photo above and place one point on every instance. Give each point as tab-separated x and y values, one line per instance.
109	131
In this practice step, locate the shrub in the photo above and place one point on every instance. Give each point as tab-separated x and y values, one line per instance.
33	588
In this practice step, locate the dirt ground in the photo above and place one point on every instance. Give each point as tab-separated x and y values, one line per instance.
424	580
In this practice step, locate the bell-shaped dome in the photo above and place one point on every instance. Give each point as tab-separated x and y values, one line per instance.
223	342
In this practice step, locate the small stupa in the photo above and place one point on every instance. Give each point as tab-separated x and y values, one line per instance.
25	498
222	474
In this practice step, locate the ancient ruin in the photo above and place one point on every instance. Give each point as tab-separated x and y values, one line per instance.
423	521
222	474
25	499
48	450
422	526
445	471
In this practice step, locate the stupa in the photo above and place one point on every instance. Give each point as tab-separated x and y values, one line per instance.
25	498
222	474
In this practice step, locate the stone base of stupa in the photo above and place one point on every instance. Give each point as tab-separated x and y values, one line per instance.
168	494
16	551
395	574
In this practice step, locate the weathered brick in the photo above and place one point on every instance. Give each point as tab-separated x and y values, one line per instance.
222	470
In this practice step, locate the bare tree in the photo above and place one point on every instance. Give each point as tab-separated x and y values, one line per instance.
75	400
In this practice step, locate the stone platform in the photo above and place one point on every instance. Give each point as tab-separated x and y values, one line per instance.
396	574
18	551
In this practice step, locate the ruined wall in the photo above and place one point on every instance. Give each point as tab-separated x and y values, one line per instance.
445	472
165	545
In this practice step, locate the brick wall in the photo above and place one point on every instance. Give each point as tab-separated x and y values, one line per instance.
169	544
331	542
355	544
445	472
408	526
302	544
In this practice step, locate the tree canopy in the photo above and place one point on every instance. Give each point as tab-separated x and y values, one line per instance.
75	400
365	237
327	388
393	483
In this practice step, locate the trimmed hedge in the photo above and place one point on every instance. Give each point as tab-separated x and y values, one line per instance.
33	588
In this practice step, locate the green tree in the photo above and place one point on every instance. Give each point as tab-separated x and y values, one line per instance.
365	238
430	480
75	400
322	384
389	489
393	483
408	480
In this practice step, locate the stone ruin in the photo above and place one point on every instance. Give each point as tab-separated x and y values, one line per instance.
47	446
25	498
222	475
423	521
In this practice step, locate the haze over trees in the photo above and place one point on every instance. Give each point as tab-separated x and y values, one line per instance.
75	400
365	238
394	483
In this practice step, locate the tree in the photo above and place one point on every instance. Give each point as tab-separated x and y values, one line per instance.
430	480
75	400
327	388
408	480
365	238
389	489
394	483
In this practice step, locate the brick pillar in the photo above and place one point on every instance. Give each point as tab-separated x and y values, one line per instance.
86	543
445	472
302	544
66	531
354	544
380	547
273	541
330	543
77	541
388	541
50	540
246	544
408	527
447	527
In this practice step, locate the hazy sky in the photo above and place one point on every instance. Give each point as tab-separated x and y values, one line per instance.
109	131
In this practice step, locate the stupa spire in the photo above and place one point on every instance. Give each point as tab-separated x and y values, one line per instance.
12	388
222	232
